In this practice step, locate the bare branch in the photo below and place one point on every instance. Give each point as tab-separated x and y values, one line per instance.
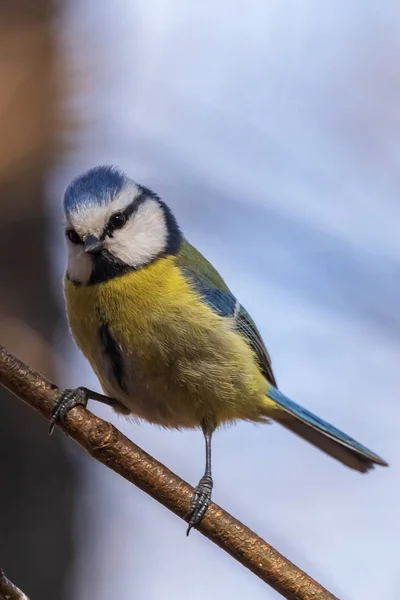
109	446
8	591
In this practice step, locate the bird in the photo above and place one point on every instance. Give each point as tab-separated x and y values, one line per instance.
167	339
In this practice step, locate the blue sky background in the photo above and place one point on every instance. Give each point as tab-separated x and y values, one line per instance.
273	133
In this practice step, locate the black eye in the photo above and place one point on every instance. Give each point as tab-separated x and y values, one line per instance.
117	221
73	236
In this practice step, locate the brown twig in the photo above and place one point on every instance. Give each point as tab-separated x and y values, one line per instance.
109	446
8	591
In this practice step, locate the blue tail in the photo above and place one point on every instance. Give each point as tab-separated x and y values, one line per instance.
323	435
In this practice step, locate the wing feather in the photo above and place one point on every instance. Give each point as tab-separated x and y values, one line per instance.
210	285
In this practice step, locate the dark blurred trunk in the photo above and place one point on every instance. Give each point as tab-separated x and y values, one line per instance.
37	480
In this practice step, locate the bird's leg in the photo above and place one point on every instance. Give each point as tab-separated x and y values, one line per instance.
67	399
202	492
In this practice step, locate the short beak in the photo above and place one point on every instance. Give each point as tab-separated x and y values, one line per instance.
93	245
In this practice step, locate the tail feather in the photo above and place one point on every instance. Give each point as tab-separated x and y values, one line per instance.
324	436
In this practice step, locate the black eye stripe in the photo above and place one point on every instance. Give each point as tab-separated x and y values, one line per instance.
117	221
127	212
133	206
73	236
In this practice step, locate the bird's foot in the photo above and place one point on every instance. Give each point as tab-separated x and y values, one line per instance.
200	502
66	400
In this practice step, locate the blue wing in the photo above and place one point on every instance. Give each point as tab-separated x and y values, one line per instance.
225	304
214	291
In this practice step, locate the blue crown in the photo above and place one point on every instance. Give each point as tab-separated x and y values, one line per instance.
96	187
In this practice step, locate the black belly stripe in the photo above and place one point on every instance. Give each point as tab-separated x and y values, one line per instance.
114	356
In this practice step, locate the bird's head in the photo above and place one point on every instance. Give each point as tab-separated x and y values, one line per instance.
114	225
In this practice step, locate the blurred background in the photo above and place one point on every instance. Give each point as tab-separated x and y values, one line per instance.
274	134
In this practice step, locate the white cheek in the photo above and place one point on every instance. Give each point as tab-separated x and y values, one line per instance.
80	263
143	238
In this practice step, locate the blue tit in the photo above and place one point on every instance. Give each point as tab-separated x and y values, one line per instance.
167	339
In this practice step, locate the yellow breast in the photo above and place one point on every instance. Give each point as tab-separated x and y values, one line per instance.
182	362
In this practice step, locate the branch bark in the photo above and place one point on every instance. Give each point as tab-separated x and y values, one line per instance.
8	591
109	446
